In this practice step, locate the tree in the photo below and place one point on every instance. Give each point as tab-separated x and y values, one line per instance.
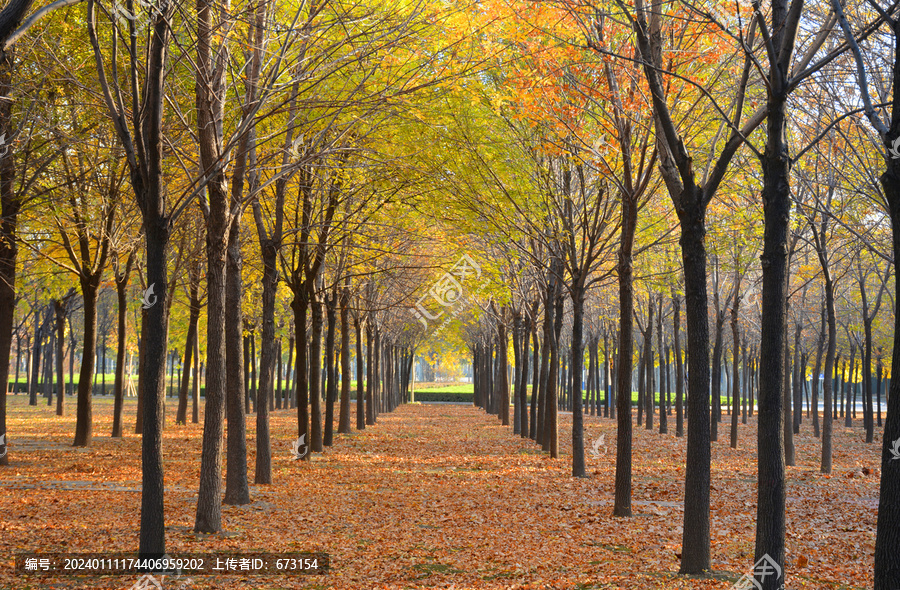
141	140
887	538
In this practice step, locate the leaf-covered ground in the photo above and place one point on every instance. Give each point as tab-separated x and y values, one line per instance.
436	496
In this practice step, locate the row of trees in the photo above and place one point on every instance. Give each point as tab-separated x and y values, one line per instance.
314	168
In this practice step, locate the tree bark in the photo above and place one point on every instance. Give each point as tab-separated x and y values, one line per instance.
770	523
314	378
330	384
624	363
237	488
736	382
578	468
679	369
300	306
695	557
267	361
193	321
360	376
61	306
344	417
503	373
887	538
83	420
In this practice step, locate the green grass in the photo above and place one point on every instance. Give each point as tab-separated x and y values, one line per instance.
456	392
456	388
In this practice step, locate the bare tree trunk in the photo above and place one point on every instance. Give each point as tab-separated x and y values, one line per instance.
502	365
83	420
9	210
887	538
624	363
370	375
344	417
315	374
330	384
360	376
787	428
195	389
263	472
300	306
817	370
237	490
770	523
61	311
663	423
535	377
193	320
736	382
578	468
649	362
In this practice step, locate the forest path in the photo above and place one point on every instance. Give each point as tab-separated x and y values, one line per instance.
437	496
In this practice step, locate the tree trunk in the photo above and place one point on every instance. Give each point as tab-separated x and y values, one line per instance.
679	368
716	415
887	537
315	373
503	373
641	380
649	362
551	440
344	417
36	348
735	380
545	369
300	306
868	418
290	386
370	375
208	518
9	210
787	427
193	320
156	322
119	385
195	389
267	361
848	388
695	557
663	367
817	370
517	373
83	420
770	522
624	363
237	488
360	367
535	377
61	312
330	384
578	469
